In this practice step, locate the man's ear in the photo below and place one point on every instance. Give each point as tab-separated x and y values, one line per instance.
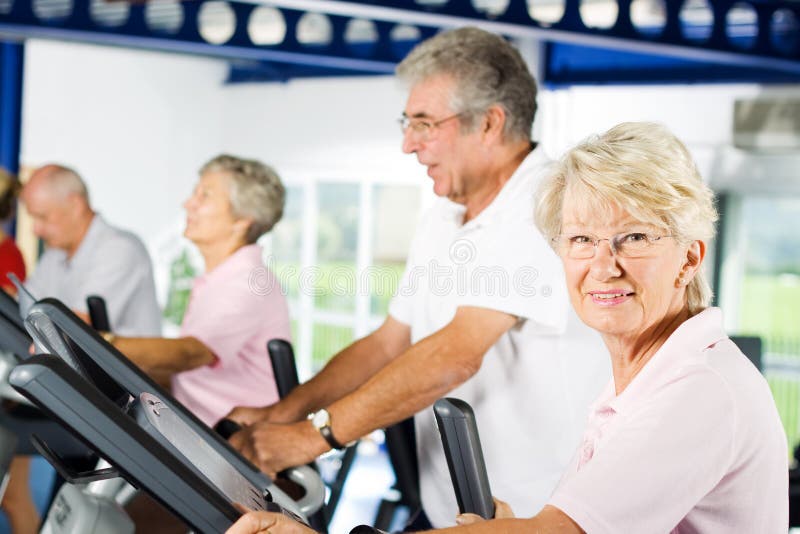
75	203
493	123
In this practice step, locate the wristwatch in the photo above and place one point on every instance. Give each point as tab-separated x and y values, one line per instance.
321	420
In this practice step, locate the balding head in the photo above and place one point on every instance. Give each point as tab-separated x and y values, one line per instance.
58	181
57	199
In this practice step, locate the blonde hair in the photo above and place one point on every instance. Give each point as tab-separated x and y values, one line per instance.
9	190
644	169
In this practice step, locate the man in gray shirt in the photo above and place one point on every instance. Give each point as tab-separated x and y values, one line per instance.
86	256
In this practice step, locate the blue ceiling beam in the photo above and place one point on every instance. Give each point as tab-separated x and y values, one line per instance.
673	40
762	51
21	23
567	65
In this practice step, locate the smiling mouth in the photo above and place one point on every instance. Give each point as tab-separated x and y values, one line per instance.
610	296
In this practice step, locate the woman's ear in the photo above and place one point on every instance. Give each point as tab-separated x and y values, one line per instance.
241	226
695	254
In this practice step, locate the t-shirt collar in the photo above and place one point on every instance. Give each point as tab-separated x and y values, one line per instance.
455	212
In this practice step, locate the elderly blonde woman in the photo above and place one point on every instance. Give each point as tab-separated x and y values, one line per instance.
686	437
220	359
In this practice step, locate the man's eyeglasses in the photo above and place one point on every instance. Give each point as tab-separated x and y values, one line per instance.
423	128
627	245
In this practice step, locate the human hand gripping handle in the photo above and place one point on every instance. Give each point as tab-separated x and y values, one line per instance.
267	523
227	427
501	511
248	415
276	523
273	447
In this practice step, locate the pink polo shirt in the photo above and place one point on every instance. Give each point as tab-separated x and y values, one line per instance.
693	444
234	310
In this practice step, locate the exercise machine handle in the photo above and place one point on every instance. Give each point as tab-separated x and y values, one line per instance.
462	448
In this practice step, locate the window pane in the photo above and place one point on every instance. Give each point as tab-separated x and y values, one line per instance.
295	326
769	303
337	240
183	269
328	340
286	242
394	214
770	300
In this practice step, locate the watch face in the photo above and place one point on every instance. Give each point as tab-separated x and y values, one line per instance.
320	418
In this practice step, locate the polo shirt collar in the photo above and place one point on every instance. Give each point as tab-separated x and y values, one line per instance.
684	345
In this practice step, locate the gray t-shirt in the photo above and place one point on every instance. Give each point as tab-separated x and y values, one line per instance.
110	263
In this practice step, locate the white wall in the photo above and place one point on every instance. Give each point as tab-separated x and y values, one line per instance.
700	115
335	127
136	125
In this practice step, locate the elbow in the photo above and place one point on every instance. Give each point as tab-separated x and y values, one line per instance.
194	354
201	355
460	369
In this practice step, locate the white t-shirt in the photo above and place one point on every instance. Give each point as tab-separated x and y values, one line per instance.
110	263
694	444
532	393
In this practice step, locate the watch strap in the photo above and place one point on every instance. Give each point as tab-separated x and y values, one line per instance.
327	434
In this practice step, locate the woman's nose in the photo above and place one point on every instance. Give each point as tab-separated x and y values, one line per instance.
604	264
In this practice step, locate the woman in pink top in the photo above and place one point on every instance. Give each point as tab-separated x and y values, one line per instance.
686	437
220	359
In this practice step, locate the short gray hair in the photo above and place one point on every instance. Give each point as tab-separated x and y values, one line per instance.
256	192
643	168
487	71
64	181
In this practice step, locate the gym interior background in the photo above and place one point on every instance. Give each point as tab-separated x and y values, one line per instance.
137	108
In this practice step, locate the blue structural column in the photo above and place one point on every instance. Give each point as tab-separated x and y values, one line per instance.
11	70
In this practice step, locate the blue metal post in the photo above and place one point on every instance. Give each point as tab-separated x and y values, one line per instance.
11	64
11	60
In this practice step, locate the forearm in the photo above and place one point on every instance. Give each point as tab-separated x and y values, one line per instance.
165	356
423	374
344	373
550	520
495	526
162	378
507	526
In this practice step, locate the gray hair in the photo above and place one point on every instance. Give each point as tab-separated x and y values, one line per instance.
643	168
256	192
487	71
64	181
